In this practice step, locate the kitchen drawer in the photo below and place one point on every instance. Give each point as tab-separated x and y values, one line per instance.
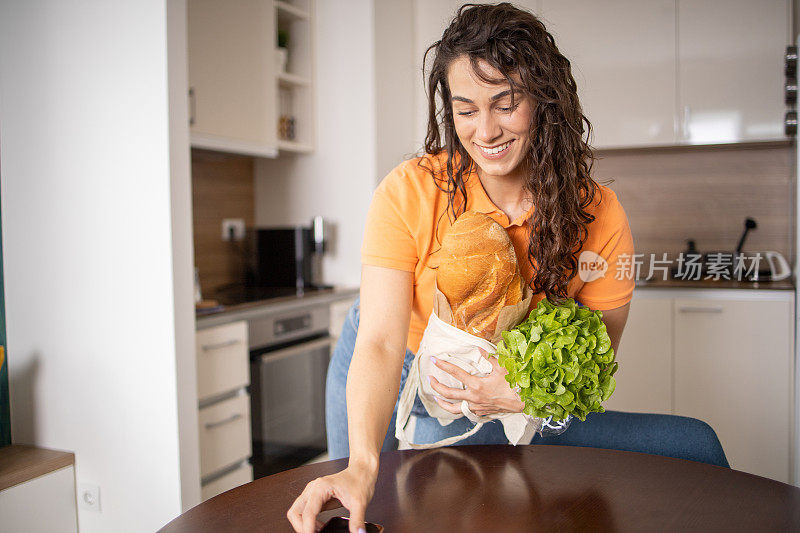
241	475
222	359
224	434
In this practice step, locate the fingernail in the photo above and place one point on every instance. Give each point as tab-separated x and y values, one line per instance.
362	530
433	359
429	379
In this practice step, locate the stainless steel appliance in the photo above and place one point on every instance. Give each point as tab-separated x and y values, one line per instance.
289	355
288	256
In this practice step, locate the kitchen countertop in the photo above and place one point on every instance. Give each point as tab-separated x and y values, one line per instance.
782	285
20	463
250	310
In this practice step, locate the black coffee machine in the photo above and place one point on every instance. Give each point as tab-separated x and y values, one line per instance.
289	256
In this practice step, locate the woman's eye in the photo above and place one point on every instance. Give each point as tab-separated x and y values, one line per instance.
506	109
465	113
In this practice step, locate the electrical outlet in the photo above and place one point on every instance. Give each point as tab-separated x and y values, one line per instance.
233	226
89	497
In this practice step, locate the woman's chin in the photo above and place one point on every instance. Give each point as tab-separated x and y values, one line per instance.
498	169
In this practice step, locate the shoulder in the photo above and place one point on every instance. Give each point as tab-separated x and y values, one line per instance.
606	208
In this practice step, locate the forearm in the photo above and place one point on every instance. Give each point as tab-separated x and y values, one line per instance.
372	388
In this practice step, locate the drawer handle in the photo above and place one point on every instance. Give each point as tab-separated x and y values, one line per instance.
220	345
232	418
699	309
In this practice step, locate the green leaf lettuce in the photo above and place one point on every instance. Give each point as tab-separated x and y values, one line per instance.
561	359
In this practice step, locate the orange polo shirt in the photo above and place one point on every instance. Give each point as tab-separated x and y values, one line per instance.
401	232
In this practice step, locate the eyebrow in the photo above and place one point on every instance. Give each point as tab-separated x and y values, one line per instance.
498	96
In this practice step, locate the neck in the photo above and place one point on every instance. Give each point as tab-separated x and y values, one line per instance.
507	192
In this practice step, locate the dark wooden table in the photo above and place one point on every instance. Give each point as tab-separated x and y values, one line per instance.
523	488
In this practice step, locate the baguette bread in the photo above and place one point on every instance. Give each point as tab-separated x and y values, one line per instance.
478	273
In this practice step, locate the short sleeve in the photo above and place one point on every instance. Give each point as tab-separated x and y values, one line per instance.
388	239
614	244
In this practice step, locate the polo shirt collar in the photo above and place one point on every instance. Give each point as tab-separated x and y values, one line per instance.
478	200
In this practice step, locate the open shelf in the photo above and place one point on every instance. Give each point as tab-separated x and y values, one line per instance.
287	79
294	146
290	12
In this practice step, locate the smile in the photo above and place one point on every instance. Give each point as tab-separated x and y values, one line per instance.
495	150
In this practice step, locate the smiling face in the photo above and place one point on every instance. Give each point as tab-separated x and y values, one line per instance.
495	133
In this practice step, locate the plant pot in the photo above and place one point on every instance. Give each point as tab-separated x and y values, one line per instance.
281	58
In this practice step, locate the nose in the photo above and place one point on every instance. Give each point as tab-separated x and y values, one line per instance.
488	127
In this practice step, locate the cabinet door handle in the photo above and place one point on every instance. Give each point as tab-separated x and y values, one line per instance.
191	106
699	309
232	418
219	345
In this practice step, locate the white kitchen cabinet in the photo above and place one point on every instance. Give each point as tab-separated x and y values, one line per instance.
238	476
734	370
644	377
623	59
222	360
671	72
44	504
721	356
225	436
339	311
231	56
730	69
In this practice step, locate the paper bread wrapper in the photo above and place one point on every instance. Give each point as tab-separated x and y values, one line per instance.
460	354
448	343
510	316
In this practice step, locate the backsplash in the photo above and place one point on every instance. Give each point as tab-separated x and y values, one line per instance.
704	193
222	187
670	195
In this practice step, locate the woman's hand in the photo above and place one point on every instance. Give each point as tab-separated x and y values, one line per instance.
485	395
352	487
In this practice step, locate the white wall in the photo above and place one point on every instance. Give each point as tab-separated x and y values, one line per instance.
337	180
396	84
183	253
85	172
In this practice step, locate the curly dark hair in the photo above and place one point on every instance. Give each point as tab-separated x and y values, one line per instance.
516	44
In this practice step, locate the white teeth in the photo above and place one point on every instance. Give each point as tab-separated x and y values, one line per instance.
496	149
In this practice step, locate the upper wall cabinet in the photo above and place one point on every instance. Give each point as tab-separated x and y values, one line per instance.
232	75
730	69
672	72
623	60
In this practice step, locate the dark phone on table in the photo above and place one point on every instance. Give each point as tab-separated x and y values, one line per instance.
340	524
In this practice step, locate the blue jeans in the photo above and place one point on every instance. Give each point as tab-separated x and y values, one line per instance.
667	435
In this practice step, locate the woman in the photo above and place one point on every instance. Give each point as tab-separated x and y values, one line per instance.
507	140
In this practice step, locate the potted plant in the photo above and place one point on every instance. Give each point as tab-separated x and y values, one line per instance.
282	52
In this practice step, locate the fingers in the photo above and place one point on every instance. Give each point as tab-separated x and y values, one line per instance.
303	512
310	513
357	519
460	374
448	392
294	514
478	409
447	406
